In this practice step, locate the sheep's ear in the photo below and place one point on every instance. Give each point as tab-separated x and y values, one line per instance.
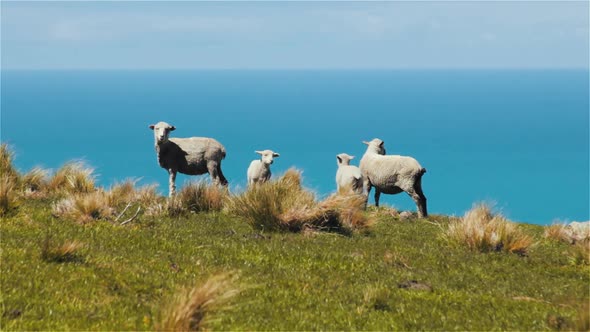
276	155
259	152
381	145
351	157
172	128
152	127
339	159
365	143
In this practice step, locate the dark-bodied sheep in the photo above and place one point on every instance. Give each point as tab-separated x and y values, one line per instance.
392	174
191	156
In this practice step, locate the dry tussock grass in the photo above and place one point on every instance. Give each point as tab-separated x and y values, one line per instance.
484	231
84	208
191	309
557	232
8	193
122	193
9	179
107	205
284	205
73	177
147	195
579	251
35	182
64	252
269	206
349	211
203	197
195	197
6	167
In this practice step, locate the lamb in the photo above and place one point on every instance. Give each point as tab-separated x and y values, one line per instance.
259	170
191	156
348	177
392	174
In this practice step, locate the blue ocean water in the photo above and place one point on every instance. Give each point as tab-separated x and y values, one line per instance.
516	138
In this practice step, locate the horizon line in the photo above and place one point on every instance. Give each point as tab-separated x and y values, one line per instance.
293	69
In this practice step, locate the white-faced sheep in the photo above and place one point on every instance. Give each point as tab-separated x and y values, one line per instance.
392	174
348	177
191	156
259	170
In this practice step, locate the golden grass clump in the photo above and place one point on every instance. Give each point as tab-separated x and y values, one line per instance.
557	232
284	205
8	193
73	177
9	179
35	182
275	205
197	197
127	193
349	211
572	233
121	200
84	208
6	166
64	252
203	197
484	231
123	192
192	308
147	195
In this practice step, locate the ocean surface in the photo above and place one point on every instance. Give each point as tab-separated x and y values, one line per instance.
518	139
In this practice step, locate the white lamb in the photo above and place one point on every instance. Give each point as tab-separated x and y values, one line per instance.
191	156
392	174
348	177
259	170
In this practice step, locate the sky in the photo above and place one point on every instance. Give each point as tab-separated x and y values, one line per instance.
294	34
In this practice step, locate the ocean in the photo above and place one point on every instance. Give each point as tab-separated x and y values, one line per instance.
515	138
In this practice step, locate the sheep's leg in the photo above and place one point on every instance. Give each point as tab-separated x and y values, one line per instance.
172	182
420	201
422	210
222	178
377	196
366	187
212	169
366	190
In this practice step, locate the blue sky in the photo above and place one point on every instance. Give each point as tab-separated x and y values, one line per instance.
294	35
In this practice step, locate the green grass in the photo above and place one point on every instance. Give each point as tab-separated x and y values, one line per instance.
123	277
77	257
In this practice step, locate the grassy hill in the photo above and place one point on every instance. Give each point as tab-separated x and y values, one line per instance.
74	256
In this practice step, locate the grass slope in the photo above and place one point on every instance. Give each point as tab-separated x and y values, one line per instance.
116	277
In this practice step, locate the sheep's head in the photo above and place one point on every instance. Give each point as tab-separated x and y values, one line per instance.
343	159
376	146
161	132
267	156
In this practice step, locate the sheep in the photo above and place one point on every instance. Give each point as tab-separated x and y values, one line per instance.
259	170
348	177
392	174
578	231
191	156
